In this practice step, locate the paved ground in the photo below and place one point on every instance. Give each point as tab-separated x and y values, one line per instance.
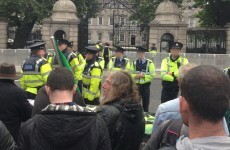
155	94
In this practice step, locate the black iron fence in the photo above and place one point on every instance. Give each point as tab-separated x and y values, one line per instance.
212	41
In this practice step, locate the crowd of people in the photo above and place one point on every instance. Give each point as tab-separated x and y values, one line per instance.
99	103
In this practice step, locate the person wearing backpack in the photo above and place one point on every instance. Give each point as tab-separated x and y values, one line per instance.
122	111
205	122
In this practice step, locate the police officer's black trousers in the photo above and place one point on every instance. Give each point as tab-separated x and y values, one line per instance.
169	94
106	62
169	91
144	90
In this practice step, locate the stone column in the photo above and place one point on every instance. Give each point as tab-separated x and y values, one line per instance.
3	31
228	38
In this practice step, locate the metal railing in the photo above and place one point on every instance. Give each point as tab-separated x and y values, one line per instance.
17	56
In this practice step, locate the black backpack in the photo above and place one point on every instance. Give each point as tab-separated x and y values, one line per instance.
170	134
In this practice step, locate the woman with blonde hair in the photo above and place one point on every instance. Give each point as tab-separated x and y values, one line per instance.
122	111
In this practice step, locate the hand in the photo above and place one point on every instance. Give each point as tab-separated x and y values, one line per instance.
170	73
142	75
138	76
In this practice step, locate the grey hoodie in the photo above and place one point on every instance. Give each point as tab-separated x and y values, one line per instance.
207	143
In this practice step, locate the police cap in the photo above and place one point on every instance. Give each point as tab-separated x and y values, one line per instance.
62	41
70	44
38	46
141	49
91	49
176	45
119	49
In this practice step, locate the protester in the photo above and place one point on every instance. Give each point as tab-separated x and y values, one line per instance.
203	111
14	107
122	111
6	140
170	110
63	124
42	100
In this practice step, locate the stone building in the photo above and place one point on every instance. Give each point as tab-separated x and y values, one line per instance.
112	25
62	24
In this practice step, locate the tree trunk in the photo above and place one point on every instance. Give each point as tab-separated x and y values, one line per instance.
22	35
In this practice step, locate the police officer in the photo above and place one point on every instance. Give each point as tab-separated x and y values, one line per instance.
119	62
91	77
169	72
100	60
35	70
72	59
106	54
81	60
153	50
48	55
143	72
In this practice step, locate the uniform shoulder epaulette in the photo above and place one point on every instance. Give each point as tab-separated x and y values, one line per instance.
126	59
149	60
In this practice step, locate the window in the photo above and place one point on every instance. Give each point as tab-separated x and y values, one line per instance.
99	36
89	37
111	21
133	23
122	21
122	37
191	22
110	36
100	21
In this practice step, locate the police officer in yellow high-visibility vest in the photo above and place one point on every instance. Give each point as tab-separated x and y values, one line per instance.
71	58
100	60
82	63
35	70
48	55
143	71
91	77
169	72
153	50
119	62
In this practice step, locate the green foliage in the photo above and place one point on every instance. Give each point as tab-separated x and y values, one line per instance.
20	12
213	12
86	8
144	10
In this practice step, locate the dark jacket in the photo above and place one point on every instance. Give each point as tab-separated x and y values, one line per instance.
14	107
42	100
6	140
64	130
126	133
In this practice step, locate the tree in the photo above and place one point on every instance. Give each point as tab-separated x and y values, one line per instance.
23	14
86	9
213	12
